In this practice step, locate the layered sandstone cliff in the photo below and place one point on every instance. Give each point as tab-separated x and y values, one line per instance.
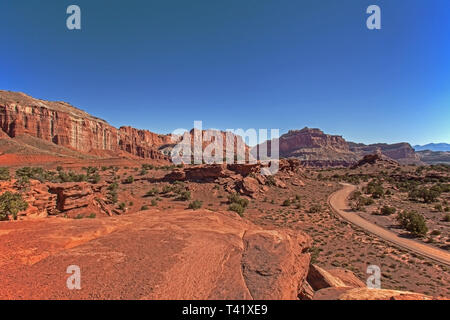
401	152
59	124
67	126
315	148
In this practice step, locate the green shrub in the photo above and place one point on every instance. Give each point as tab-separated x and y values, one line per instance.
167	189
235	198
22	182
286	203
315	208
144	207
314	252
236	207
154	203
11	204
196	204
438	207
366	201
122	206
90	170
270	181
447	218
4	174
386	210
68	177
152	192
113	186
427	195
94	178
112	196
375	189
413	222
128	180
92	216
184	196
35	173
148	166
435	233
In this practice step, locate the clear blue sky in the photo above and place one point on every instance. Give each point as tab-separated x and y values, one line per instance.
161	64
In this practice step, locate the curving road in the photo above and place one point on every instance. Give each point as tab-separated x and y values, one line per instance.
338	203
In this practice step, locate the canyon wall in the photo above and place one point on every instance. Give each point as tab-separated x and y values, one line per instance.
65	125
315	148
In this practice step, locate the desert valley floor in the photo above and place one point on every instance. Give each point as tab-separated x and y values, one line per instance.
120	220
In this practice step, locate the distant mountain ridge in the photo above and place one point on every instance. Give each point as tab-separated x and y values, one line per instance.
29	125
433	147
315	148
434	157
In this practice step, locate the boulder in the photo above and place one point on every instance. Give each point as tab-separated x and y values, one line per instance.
347	277
244	169
73	195
319	278
279	183
206	172
249	186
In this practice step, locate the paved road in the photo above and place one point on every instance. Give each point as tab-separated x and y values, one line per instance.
338	202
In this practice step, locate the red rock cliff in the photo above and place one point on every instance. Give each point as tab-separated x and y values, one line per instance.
65	125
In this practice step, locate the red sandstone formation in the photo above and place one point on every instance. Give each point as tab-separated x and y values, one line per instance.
315	148
67	126
152	255
69	198
63	125
401	152
342	284
171	254
243	178
205	143
376	159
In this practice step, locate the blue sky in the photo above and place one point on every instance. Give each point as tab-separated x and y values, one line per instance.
161	64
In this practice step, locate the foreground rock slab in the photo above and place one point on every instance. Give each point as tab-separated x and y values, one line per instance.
153	254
